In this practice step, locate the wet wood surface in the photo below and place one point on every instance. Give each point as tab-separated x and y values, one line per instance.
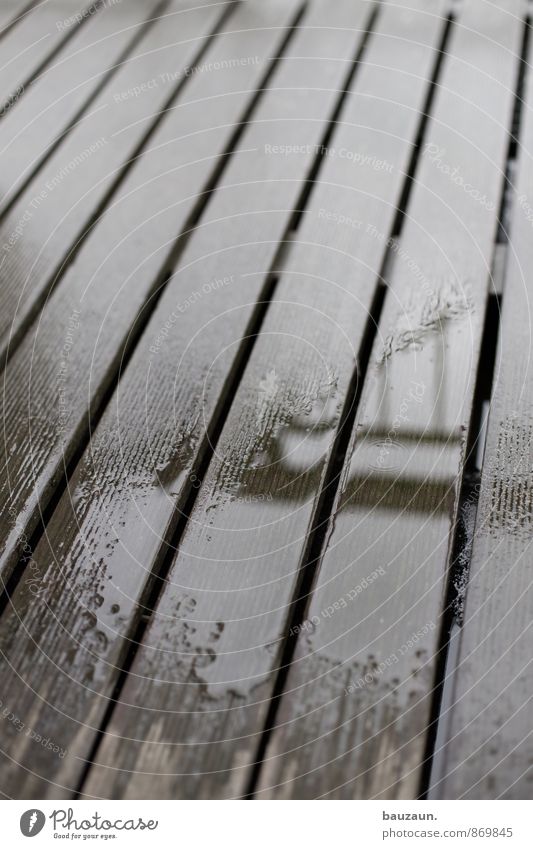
116	272
157	482
488	751
245	254
46	111
357	705
225	610
51	217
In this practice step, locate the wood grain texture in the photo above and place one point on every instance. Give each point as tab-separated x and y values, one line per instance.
60	94
352	722
34	40
144	465
115	273
53	213
489	752
195	701
84	326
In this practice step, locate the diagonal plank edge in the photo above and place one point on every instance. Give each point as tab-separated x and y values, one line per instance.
208	663
43	230
109	282
33	42
143	466
489	751
353	720
12	12
63	92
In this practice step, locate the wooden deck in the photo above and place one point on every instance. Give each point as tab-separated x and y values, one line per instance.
267	407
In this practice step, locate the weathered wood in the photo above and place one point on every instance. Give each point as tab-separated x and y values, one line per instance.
252	240
31	43
207	666
61	94
54	212
191	713
103	292
489	753
352	722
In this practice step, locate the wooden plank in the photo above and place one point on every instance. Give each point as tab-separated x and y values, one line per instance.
352	722
27	47
252	241
60	95
278	184
131	243
11	13
489	750
207	666
55	210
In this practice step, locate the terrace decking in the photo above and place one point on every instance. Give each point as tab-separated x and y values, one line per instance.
267	399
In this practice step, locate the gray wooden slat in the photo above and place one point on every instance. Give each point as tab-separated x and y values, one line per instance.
59	95
31	42
114	275
352	722
57	206
279	182
11	13
489	752
195	702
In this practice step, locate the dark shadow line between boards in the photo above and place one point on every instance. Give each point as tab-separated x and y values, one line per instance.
9	347
81	439
11	24
312	556
106	77
87	13
155	585
460	546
